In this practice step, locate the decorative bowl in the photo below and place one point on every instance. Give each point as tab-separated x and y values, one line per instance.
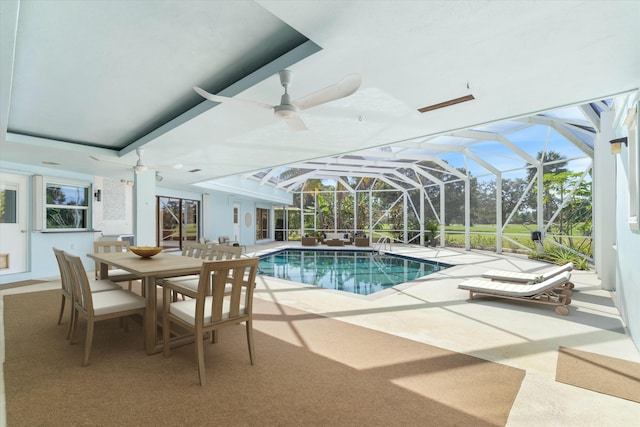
145	251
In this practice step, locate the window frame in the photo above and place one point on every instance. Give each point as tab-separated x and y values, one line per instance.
41	184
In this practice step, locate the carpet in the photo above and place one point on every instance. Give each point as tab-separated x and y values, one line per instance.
603	374
310	370
20	283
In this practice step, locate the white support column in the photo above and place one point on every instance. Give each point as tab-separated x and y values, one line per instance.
604	203
145	208
423	195
499	213
442	214
540	198
371	215
405	234
301	213
467	214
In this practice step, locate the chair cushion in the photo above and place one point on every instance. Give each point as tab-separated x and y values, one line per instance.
103	285
114	301
513	289
186	310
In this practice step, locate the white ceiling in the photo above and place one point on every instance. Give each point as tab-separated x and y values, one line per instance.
102	78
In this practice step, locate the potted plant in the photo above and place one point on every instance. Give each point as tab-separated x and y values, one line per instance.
431	228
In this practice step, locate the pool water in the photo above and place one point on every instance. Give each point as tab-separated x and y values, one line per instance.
359	272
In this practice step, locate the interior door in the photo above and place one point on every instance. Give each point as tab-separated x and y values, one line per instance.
14	242
236	223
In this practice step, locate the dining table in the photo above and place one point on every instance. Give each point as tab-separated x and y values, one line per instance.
149	270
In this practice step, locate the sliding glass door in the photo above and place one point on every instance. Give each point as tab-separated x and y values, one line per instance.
178	221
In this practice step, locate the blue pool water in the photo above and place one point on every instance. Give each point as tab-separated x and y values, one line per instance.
359	272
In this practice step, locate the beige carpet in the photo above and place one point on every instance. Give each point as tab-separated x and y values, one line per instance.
310	370
20	284
608	375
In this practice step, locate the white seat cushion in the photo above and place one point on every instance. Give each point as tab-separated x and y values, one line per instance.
103	285
186	310
114	301
513	289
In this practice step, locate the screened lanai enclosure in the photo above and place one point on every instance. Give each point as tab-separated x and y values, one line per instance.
522	185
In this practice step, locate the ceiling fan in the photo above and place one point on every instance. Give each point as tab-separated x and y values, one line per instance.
287	109
140	167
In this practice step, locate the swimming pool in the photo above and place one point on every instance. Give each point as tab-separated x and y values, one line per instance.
359	272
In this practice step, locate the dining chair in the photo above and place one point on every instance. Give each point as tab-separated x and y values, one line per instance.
114	274
67	286
194	249
214	252
97	306
207	312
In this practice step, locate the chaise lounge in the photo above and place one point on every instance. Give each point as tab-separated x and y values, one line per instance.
553	291
513	276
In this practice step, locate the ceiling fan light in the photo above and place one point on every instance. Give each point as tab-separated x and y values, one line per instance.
285	111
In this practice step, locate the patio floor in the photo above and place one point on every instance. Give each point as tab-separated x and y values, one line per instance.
523	335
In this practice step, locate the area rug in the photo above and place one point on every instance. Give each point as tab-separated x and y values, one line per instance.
309	370
20	284
608	375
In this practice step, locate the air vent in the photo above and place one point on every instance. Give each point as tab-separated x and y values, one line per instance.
446	103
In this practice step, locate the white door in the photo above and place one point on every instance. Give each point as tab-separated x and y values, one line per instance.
236	223
13	224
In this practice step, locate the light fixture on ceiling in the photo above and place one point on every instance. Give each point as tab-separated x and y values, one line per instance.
616	144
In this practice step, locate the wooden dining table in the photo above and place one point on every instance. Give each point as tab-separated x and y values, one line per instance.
149	270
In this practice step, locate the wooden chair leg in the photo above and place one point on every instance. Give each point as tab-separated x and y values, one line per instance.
74	324
64	299
250	341
200	357
88	341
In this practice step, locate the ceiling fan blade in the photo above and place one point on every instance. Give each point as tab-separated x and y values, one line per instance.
347	86
218	98
295	123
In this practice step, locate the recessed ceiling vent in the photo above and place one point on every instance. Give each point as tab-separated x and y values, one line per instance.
446	103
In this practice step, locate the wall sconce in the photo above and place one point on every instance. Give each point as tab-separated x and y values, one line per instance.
616	145
98	195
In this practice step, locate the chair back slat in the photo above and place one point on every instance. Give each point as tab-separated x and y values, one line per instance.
65	272
223	252
232	283
194	249
80	281
108	246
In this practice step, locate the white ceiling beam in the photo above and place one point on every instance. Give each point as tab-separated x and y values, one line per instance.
591	114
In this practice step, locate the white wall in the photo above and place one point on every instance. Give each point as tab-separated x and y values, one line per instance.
628	240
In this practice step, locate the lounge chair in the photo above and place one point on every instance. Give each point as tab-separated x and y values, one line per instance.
553	291
513	276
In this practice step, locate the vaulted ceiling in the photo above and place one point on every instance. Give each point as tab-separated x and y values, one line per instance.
83	84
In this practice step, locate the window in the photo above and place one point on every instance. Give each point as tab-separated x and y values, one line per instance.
62	205
8	205
262	224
